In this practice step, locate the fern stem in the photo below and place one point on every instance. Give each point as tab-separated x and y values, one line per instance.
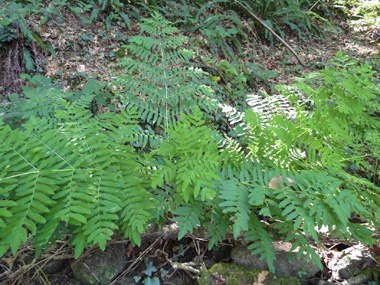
375	171
18	175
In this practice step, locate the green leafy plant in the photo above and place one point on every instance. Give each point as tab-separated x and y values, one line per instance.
51	188
21	42
223	31
325	134
181	13
68	172
276	15
150	269
157	79
110	10
347	91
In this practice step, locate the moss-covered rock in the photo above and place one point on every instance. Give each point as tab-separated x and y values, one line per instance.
232	274
100	267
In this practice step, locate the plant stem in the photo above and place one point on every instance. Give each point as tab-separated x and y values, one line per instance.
270	30
375	171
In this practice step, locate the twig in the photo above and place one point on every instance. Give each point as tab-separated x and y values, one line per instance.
188	267
315	4
93	273
270	30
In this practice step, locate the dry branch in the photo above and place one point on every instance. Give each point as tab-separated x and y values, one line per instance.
271	30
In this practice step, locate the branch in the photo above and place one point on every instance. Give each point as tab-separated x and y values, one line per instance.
270	30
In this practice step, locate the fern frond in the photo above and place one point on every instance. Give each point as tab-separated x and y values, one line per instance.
80	171
234	197
157	81
190	142
189	217
262	243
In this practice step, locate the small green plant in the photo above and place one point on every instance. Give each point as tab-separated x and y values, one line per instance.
181	13
232	78
20	41
150	269
110	10
223	32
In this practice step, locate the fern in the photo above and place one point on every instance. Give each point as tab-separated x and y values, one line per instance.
189	217
76	174
261	242
189	143
156	80
234	198
68	172
223	31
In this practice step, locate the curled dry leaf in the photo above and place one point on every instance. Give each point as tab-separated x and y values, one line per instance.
51	69
261	278
274	182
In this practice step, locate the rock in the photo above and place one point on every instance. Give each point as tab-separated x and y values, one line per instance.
230	274
100	267
81	68
178	278
283	266
222	253
349	262
127	281
358	279
209	263
53	266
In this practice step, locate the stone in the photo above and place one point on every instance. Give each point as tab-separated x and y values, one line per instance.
178	278
101	267
349	262
53	266
283	266
81	68
128	280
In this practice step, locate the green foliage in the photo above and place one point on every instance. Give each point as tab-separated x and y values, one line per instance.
13	17
223	31
316	144
157	80
110	10
180	12
190	141
42	99
347	91
66	171
229	78
290	13
276	14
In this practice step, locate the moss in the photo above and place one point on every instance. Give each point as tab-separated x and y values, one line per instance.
238	275
120	53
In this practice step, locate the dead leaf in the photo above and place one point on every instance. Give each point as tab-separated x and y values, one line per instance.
275	184
129	250
261	278
51	69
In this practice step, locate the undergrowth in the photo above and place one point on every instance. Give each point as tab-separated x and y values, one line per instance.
66	172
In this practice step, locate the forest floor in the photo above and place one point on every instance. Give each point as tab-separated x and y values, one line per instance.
89	51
